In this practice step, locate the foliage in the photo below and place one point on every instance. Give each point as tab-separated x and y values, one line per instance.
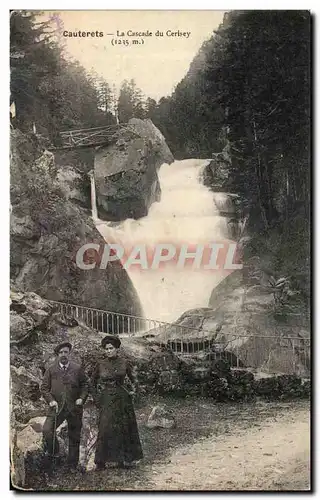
55	93
49	90
247	90
237	385
130	103
284	252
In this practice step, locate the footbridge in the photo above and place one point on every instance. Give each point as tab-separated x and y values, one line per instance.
89	137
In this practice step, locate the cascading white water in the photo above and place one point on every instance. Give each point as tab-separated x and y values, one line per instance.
93	196
186	213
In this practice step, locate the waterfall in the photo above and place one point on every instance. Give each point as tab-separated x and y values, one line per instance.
187	212
93	196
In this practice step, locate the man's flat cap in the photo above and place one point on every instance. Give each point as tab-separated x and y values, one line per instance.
60	346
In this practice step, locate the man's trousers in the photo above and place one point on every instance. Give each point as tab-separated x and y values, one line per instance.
74	420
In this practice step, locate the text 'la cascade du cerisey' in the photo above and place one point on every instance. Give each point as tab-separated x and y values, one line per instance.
148	33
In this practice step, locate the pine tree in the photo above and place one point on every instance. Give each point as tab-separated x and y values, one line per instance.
130	102
48	90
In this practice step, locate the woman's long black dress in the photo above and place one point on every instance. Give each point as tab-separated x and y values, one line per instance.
118	436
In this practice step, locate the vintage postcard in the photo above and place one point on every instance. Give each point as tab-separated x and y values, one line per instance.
160	250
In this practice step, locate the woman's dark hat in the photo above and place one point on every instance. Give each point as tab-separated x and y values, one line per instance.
60	346
110	339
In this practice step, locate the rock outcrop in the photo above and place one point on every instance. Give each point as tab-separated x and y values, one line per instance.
126	172
273	339
243	327
75	185
215	174
49	224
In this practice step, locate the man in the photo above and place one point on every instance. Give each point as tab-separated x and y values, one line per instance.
65	388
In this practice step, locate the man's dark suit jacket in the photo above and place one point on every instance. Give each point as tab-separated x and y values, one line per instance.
65	387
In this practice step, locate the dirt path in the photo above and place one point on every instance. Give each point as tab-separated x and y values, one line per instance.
215	446
274	456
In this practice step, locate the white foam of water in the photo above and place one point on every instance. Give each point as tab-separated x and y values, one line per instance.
186	213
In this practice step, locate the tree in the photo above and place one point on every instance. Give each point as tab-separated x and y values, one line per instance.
130	102
33	57
248	89
151	109
50	91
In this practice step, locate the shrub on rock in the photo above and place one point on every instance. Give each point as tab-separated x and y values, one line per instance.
289	387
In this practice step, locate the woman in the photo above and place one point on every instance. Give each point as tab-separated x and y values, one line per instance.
118	438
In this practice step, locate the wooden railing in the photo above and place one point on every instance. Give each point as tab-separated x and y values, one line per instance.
71	139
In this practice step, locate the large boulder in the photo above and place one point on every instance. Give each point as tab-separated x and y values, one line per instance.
241	327
262	336
215	174
49	224
126	172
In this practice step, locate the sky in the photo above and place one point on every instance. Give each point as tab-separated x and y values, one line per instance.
157	65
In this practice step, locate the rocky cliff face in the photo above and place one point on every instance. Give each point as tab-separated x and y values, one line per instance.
49	224
126	172
272	337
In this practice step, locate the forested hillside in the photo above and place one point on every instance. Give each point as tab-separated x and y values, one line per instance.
53	92
248	92
248	89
